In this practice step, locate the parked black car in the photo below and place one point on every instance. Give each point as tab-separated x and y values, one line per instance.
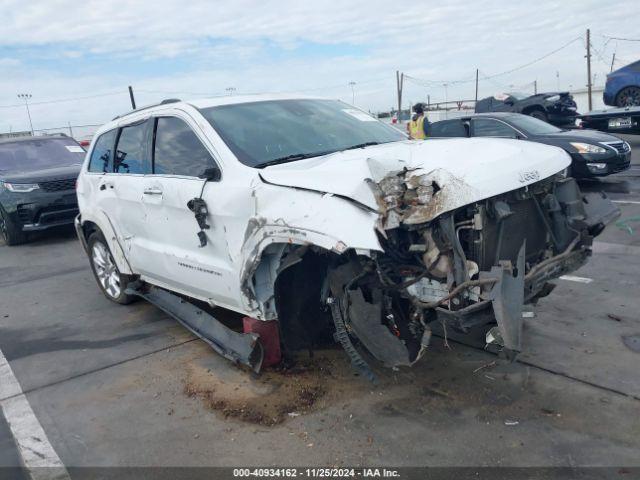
593	153
37	184
557	108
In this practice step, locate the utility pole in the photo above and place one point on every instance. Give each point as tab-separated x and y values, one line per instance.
26	97
589	69
70	130
558	79
133	100
352	84
535	87
399	82
476	85
613	60
446	101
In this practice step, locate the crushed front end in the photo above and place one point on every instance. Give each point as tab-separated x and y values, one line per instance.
473	265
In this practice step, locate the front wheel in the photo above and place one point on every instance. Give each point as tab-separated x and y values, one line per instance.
112	283
10	233
628	97
539	114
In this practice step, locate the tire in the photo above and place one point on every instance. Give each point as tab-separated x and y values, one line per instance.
539	114
112	283
10	233
628	97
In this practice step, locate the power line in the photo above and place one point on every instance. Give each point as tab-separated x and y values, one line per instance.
62	100
536	60
622	39
426	83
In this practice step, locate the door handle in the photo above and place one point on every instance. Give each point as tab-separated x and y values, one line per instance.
103	186
152	191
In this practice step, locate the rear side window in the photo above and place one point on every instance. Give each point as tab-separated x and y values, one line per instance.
485	127
450	128
131	156
102	154
178	151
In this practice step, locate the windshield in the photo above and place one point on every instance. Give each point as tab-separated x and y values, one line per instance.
39	154
278	131
532	126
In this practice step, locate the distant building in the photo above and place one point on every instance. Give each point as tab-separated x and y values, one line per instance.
581	98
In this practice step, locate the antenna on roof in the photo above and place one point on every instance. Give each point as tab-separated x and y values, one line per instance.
133	100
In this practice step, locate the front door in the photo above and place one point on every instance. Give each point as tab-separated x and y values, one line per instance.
170	250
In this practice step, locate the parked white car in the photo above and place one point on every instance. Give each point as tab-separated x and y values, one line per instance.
314	213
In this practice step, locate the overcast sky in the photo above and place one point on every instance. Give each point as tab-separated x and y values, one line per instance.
61	49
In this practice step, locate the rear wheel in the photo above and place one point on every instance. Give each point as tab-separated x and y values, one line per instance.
112	283
628	97
539	114
10	232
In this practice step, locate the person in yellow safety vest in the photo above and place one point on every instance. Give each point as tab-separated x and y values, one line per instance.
418	126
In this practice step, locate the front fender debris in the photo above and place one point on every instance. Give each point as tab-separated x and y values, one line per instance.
237	347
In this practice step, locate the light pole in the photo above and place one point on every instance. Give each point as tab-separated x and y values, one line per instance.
352	84
26	97
230	90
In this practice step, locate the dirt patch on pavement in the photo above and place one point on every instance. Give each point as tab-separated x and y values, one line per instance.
276	394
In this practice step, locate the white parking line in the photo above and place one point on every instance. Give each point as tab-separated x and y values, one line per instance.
572	278
38	455
615	248
633	202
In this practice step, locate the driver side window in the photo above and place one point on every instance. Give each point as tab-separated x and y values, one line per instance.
177	150
486	127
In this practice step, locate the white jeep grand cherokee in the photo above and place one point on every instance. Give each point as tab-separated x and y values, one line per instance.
312	212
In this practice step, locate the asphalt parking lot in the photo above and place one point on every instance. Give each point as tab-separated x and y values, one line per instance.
119	385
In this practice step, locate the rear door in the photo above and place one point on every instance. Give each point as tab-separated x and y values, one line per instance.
170	252
132	163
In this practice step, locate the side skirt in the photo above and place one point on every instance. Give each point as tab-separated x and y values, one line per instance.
243	348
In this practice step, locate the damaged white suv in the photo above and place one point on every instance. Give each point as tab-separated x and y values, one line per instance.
313	213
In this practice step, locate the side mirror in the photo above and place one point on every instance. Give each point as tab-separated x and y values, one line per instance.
211	174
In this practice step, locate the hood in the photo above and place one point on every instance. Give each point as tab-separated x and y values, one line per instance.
580	136
468	169
44	175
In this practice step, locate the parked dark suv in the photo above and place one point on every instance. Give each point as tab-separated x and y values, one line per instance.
37	184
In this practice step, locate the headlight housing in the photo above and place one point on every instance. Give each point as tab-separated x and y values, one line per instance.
553	98
588	148
20	187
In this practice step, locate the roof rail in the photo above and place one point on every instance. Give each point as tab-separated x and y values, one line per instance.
163	102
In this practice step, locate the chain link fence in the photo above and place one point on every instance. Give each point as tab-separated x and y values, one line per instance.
78	132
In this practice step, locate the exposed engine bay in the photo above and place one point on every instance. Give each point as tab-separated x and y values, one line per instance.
472	266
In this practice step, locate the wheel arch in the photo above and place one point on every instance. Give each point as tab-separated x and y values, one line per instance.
532	108
87	225
270	249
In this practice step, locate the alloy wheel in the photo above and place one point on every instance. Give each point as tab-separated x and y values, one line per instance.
106	270
628	97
